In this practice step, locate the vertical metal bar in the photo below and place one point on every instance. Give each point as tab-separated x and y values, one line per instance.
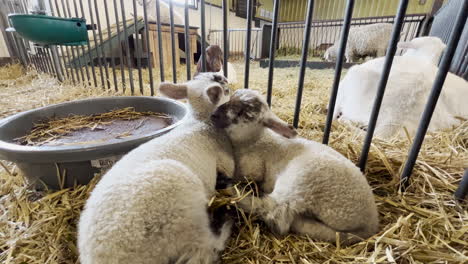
109	40
91	60
44	60
160	46
121	64
129	60
188	53
247	42
62	53
338	68
137	46
148	48
72	52
435	93
274	29
173	47
73	49
203	35
305	49
103	58
225	37
54	49
462	189
50	61
383	82
96	44
82	47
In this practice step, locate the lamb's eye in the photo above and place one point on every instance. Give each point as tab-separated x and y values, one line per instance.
226	91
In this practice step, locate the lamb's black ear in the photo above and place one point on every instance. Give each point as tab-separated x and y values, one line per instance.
214	93
174	91
279	126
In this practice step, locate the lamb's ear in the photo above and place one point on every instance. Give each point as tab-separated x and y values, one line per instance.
174	91
405	45
279	126
214	93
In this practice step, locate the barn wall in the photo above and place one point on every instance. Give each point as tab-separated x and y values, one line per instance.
294	10
3	48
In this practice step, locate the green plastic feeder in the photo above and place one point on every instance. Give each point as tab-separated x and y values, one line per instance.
49	30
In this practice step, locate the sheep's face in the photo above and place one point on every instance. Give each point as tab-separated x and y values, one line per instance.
246	115
330	54
204	93
214	58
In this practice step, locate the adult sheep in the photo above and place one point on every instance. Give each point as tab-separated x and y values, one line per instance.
151	206
215	62
369	40
408	87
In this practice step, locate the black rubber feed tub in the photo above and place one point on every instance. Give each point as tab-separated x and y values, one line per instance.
64	166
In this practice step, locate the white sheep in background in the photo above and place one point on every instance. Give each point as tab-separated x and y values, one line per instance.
215	62
151	206
163	11
407	91
429	48
368	40
311	188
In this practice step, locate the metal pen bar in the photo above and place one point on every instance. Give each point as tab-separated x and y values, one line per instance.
96	48
82	47
148	48
101	42
274	31
53	70
62	53
462	190
44	61
225	38
338	68
444	67
137	46
127	47
305	45
247	42
203	35
173	47
74	69
54	50
121	62
161	62
383	82
188	53
91	61
73	49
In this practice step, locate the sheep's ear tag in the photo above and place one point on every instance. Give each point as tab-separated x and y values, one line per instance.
174	91
280	128
214	93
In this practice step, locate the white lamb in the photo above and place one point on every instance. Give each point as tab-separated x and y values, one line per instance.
311	189
428	48
407	91
369	40
151	206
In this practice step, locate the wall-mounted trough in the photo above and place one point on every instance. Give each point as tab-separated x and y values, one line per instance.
65	165
50	30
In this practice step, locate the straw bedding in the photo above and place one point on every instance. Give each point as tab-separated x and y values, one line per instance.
422	225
